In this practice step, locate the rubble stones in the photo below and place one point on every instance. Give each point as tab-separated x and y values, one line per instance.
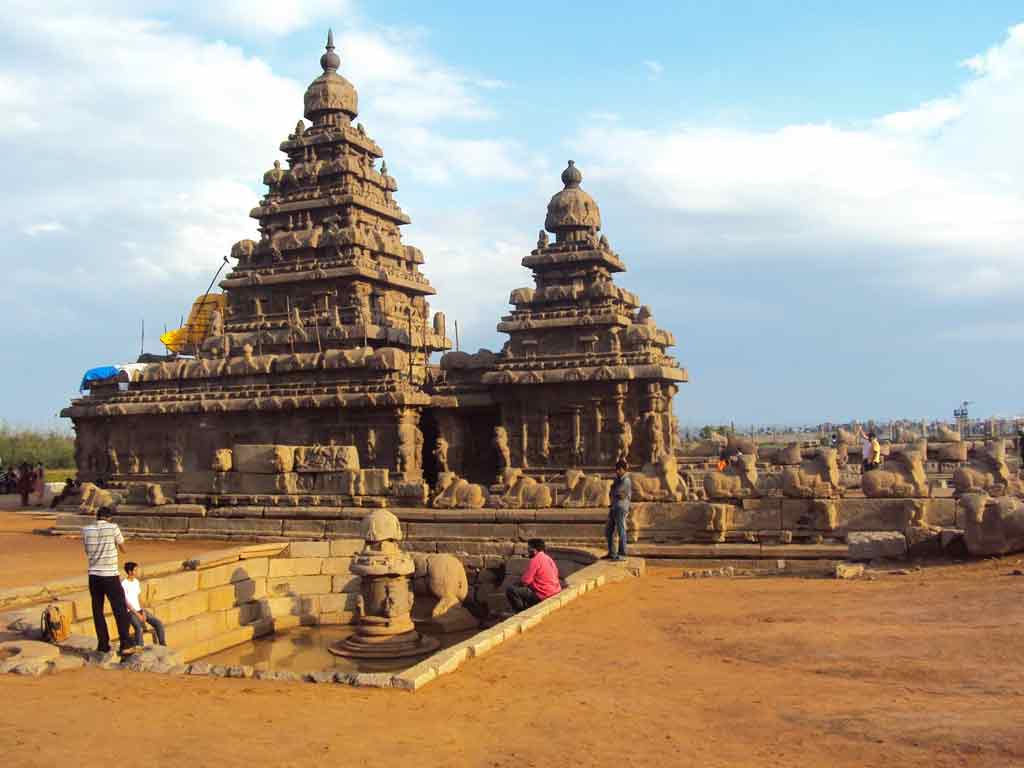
875	545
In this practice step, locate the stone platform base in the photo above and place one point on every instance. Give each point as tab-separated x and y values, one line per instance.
767	529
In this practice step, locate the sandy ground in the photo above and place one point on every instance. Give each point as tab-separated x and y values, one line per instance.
27	558
907	670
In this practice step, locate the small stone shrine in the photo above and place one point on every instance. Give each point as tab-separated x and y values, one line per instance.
384	608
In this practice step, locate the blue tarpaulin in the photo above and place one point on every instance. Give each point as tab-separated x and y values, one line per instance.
97	374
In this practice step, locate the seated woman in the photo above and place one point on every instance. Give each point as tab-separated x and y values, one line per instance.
138	615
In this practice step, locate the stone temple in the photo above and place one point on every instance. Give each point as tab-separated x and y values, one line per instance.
314	391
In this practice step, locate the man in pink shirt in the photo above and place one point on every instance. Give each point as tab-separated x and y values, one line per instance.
538	582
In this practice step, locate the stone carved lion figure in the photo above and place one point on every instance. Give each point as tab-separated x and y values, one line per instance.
902	476
738	481
986	472
454	492
523	492
659	481
992	526
444	577
94	497
586	490
815	478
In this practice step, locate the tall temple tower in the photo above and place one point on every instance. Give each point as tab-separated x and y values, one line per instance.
326	333
330	270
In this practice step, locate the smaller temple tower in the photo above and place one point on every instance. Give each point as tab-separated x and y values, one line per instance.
584	378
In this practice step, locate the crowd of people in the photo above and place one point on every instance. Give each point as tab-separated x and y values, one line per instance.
25	479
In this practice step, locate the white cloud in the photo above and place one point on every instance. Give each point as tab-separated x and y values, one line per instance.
272	17
163	136
654	69
938	189
39	229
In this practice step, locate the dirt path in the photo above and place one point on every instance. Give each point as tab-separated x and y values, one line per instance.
915	670
28	558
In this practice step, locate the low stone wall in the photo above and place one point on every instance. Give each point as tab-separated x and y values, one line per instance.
226	597
748	528
218	599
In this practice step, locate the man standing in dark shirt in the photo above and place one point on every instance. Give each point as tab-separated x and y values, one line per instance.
621	493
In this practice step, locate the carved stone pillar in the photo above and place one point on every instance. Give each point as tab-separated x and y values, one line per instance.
578	448
524	434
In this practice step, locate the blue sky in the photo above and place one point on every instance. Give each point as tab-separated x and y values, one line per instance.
822	201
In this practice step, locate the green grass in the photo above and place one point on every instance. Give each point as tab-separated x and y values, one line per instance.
53	447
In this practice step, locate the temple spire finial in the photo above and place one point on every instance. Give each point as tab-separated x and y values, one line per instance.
330	61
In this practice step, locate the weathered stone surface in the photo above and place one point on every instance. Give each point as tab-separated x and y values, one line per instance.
876	545
295	566
376	482
263	459
309	549
229	573
257	527
992	526
167	587
848	570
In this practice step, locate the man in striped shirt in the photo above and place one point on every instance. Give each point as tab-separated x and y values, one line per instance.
102	540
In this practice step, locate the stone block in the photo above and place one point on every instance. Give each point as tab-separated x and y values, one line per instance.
150	524
67	520
295	566
502	531
487	640
304	528
243	527
495	548
230	573
874	545
182	634
181	608
923	542
309	549
348	482
559	531
241	510
412	491
231	595
253	483
343	529
275	607
340	603
848	570
197	482
263	549
864	514
342	582
450	659
375	482
182	510
298	585
336	565
415	677
167	587
263	459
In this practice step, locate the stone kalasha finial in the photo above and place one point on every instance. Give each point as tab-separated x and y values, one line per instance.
572	209
330	61
571	176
